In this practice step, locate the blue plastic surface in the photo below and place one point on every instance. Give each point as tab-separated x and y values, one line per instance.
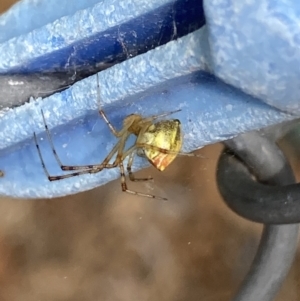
180	74
87	140
255	46
28	15
100	35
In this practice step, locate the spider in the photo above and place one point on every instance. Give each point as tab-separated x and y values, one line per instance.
1	174
160	142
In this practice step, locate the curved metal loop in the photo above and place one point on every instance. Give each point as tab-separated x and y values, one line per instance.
256	202
253	200
262	203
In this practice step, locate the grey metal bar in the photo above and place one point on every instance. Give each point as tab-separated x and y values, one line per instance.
16	89
271	264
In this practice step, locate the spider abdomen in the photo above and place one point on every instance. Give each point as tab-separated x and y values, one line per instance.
162	141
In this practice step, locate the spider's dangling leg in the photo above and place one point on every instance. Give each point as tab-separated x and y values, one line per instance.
125	189
85	169
130	173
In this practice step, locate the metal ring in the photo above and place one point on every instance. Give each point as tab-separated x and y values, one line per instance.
279	242
251	199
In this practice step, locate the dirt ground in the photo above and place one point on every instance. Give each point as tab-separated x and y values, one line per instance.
107	245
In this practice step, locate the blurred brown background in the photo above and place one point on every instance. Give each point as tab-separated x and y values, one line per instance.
107	245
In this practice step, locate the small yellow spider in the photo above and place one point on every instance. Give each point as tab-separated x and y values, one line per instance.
160	142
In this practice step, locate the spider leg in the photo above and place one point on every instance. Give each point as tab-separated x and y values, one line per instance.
112	128
71	167
125	189
102	113
70	175
153	117
62	166
85	170
130	174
